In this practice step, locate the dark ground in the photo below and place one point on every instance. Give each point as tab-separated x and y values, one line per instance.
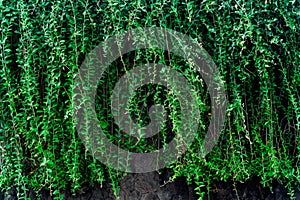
148	187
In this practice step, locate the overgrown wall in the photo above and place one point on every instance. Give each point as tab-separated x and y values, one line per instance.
254	44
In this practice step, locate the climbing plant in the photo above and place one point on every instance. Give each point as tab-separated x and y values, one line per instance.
254	44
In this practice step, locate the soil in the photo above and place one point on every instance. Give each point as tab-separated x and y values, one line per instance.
150	186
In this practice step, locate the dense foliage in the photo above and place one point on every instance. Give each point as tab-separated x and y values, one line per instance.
255	45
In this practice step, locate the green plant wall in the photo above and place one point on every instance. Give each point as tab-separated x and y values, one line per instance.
255	45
